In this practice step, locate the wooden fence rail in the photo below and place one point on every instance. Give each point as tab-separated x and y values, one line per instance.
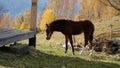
111	30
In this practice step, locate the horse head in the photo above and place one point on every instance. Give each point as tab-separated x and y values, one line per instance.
48	32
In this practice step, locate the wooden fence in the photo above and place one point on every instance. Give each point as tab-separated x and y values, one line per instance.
111	30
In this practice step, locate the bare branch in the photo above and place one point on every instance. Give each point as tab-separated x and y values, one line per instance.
115	4
104	2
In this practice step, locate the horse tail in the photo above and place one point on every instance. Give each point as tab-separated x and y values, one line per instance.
91	34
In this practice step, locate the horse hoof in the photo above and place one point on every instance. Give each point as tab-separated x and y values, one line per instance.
81	53
65	52
73	53
90	54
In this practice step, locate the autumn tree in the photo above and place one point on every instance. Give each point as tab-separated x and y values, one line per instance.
1	16
96	9
62	8
23	25
113	3
27	18
17	21
22	21
2	11
6	21
47	17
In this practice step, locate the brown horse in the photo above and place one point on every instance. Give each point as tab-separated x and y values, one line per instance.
69	28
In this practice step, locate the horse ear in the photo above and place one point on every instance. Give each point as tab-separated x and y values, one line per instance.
47	25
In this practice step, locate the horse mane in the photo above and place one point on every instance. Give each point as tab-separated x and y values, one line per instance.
59	21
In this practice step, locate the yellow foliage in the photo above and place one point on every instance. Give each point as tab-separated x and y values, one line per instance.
47	17
76	18
16	25
96	9
23	25
17	21
27	17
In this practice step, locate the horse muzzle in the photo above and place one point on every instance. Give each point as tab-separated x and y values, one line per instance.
48	38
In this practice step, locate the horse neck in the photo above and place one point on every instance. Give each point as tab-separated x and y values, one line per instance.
56	28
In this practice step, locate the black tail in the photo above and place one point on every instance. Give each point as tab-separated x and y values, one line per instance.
91	34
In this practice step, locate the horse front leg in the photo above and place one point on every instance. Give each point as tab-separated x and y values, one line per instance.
71	42
66	43
91	47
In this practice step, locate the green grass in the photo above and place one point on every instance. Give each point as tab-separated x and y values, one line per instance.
48	54
52	56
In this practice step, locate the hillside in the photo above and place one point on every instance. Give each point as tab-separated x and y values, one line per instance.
101	26
50	54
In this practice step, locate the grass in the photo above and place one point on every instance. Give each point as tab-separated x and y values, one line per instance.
49	54
52	56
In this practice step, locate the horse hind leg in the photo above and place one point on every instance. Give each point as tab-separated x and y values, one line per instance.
91	47
91	51
81	52
91	44
66	42
85	45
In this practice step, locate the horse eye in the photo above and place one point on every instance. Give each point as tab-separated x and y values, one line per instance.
47	31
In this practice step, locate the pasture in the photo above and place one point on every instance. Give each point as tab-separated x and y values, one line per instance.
50	54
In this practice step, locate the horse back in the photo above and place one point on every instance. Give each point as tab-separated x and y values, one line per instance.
77	27
72	27
88	25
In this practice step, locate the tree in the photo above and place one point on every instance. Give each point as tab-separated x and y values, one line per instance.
17	21
114	3
62	8
112	7
23	21
27	18
23	25
96	9
2	11
1	17
6	21
47	17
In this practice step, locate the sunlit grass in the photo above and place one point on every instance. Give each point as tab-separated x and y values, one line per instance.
53	48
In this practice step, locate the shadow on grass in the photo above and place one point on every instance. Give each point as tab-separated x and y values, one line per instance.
38	59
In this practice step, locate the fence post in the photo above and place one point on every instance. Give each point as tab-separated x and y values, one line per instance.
32	41
111	30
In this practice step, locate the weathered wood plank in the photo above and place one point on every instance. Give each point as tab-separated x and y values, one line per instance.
5	29
13	35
